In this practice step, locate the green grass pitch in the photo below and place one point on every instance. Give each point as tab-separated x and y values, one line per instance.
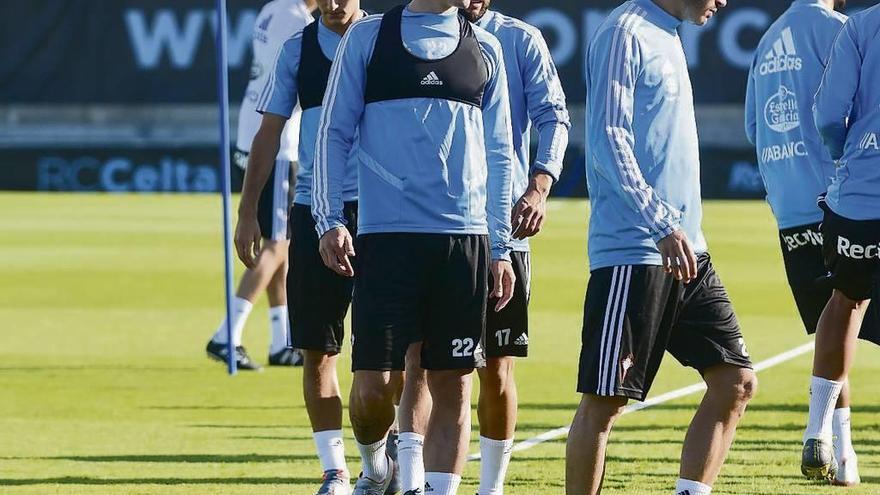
106	303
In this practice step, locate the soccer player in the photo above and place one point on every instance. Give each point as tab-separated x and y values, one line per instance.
847	114
797	168
536	98
277	21
319	298
428	93
652	286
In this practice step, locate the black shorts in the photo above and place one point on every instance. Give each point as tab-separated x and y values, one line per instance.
634	313
807	277
507	332
317	297
419	287
274	202
852	254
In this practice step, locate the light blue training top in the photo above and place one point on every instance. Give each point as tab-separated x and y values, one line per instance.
783	80
643	161
847	113
536	98
426	165
280	97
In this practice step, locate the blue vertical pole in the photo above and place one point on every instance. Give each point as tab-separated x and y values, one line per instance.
225	179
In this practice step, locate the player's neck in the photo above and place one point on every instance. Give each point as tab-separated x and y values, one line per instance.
672	7
429	6
341	28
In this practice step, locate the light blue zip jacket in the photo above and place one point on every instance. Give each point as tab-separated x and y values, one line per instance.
536	98
280	96
425	165
783	80
643	161
847	114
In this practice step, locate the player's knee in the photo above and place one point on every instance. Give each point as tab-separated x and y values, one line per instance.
601	411
318	361
373	391
737	386
497	376
746	387
452	385
274	248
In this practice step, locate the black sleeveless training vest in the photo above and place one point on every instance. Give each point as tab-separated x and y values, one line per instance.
314	69
394	73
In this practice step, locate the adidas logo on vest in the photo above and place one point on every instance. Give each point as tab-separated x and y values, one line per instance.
432	80
782	57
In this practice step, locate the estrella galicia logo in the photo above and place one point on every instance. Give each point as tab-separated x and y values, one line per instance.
781	111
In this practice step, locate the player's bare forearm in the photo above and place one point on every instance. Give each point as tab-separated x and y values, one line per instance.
503	279
530	210
678	256
336	248
540	182
264	149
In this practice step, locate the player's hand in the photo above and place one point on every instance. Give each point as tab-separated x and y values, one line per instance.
502	283
678	256
337	248
530	211
248	239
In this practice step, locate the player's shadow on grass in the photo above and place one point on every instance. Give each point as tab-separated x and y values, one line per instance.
534	406
525	426
521	481
645	441
256	427
182	458
222	408
650	427
281	438
253	435
100	367
765	428
85	480
610	458
766	407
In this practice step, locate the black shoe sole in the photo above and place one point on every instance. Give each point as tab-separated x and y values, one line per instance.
818	473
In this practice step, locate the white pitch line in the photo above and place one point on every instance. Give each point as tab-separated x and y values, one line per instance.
660	399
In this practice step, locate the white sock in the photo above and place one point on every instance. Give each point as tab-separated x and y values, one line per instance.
331	450
688	487
241	309
840	426
823	397
278	329
373	460
410	460
442	483
494	459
